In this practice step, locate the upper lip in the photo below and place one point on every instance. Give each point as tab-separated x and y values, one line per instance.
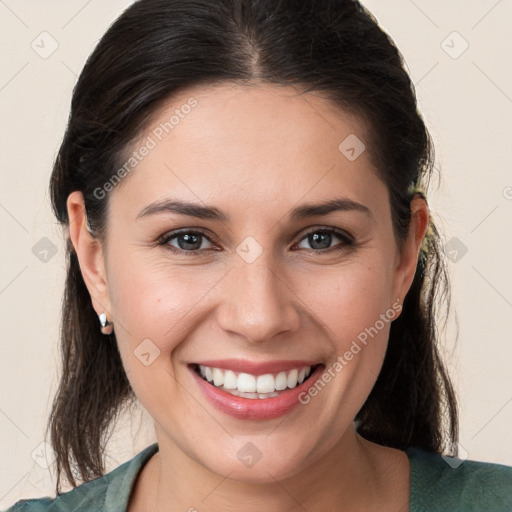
257	367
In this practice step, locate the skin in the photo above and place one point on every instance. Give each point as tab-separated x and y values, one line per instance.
254	152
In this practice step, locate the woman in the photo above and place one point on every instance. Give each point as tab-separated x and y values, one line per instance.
251	257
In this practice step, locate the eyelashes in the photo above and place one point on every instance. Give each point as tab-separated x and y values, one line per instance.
344	237
182	233
195	237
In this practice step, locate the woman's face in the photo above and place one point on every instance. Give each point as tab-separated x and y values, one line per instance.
252	287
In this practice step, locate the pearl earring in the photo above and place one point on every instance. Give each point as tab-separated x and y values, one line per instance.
106	327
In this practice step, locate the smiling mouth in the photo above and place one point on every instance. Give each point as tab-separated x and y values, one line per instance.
246	385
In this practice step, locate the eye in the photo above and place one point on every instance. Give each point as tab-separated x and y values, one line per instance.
188	241
321	239
191	241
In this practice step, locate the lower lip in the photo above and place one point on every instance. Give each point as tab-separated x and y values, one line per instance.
258	408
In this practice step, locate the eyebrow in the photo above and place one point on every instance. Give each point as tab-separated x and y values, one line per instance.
213	213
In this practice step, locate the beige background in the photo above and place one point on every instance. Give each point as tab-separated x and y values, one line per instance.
466	99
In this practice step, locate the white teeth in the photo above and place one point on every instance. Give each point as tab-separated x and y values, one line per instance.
265	383
281	381
251	386
246	383
230	380
218	377
292	378
253	396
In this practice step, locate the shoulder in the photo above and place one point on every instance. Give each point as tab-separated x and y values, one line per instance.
109	492
443	483
87	496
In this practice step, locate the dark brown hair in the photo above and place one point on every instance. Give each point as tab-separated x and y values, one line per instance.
334	48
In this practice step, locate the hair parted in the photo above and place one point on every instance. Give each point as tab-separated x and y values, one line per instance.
334	48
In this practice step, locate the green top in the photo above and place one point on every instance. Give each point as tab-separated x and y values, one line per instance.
437	485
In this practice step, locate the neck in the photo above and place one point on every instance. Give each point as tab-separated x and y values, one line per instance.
353	475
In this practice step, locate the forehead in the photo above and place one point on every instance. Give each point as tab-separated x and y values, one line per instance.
249	144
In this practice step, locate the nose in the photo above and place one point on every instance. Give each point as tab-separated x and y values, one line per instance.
257	302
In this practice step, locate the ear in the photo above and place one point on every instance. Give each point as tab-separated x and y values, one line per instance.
90	255
407	257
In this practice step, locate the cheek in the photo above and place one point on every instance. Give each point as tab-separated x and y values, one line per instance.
349	299
156	301
354	307
152	306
